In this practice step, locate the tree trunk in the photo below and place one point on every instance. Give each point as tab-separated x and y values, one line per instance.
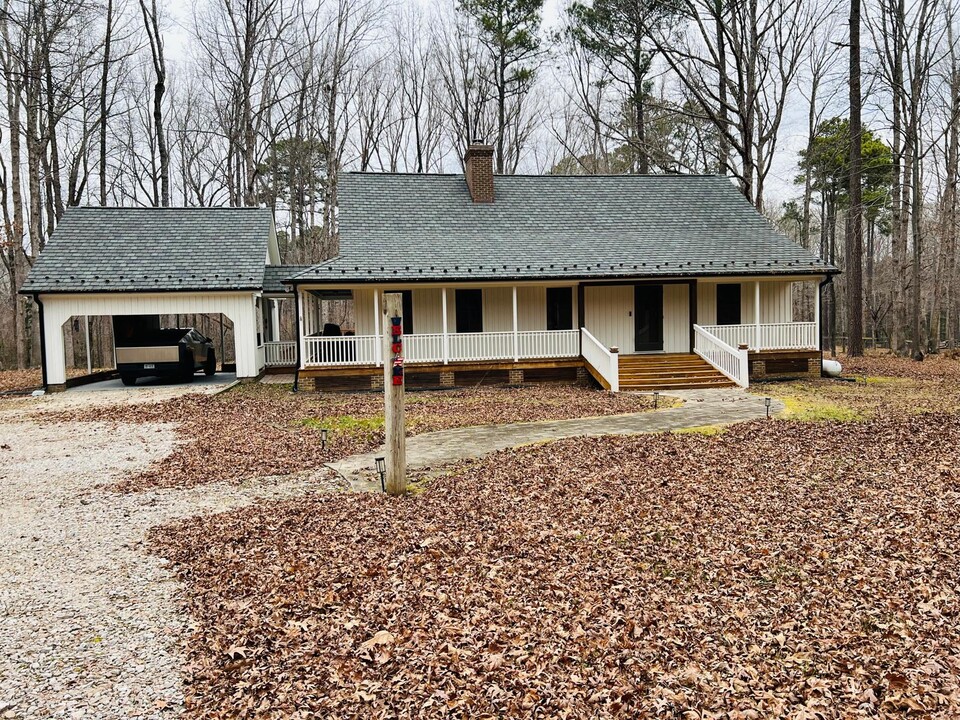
104	78
854	225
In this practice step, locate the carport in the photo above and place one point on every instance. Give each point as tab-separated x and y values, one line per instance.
155	261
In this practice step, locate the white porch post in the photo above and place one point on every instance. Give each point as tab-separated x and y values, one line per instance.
446	340
516	336
275	319
303	327
86	329
376	324
816	311
756	315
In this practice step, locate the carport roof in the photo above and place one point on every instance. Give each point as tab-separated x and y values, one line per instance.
97	249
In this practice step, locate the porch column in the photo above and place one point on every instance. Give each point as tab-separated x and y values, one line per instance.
756	314
376	326
816	313
86	332
446	340
302	320
516	336
275	319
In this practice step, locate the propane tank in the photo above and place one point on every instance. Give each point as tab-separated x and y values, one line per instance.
831	368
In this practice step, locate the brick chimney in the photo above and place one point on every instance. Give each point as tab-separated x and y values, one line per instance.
479	171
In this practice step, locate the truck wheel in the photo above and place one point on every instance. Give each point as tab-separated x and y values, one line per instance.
210	366
187	368
128	380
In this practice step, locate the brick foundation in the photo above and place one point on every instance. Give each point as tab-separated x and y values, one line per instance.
58	388
376	382
758	369
515	377
447	378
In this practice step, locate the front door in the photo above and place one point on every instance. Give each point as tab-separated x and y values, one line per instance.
648	318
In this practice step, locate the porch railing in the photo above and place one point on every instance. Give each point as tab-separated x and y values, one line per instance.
731	361
440	348
768	336
280	353
601	359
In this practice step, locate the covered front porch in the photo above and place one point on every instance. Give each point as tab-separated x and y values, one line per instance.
470	324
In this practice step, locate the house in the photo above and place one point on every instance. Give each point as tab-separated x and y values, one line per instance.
638	281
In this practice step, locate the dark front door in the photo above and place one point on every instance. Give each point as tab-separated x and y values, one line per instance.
648	318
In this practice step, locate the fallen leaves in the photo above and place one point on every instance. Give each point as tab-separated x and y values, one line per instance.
776	570
261	430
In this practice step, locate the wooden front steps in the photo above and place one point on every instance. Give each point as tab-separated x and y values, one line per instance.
669	372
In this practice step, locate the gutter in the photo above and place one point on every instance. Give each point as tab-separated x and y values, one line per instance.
296	329
43	341
826	281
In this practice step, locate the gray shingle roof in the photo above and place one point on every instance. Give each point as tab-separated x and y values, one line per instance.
98	249
425	227
274	275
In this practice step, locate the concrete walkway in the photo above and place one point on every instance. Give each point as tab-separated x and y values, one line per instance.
700	407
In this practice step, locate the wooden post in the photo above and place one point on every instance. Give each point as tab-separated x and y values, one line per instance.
396	480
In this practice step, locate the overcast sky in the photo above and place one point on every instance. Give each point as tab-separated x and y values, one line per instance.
792	135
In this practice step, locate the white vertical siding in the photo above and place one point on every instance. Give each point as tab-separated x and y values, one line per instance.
776	302
706	303
608	314
497	309
747	292
239	307
676	318
532	308
363	310
428	310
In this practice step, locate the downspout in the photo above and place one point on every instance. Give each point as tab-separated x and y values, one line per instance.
296	329
826	281
43	341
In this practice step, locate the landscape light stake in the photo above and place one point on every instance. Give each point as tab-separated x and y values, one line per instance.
767	401
323	438
656	399
382	470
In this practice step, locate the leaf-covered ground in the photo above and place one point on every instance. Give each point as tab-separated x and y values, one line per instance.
875	385
257	430
776	570
30	379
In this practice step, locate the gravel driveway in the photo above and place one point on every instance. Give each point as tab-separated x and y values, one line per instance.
88	620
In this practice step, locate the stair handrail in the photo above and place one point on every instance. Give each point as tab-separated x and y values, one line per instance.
732	362
605	361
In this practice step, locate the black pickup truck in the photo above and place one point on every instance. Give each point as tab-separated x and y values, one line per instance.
164	352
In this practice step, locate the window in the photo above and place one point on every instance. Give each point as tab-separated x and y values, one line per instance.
469	311
560	308
728	304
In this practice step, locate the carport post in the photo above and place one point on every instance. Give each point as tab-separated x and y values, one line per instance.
86	327
396	480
